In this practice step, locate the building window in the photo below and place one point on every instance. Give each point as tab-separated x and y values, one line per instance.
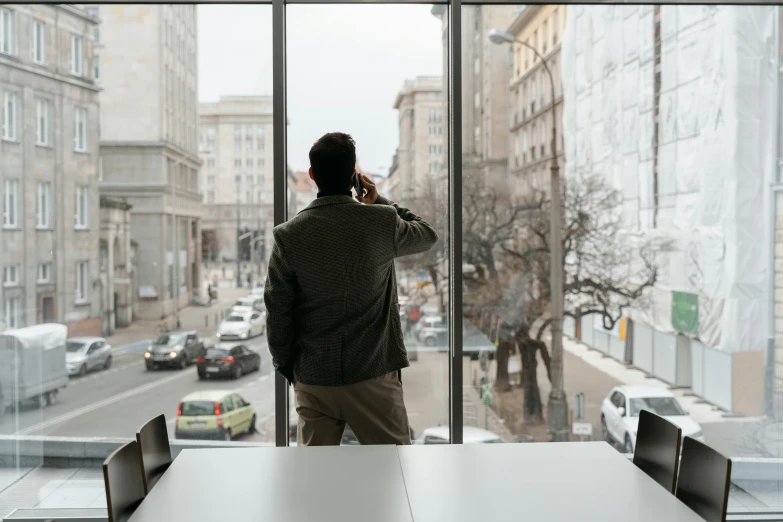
249	179
12	312
11	204
42	122
260	164
210	180
210	164
96	67
80	129
9	116
434	168
249	163
260	145
44	273
11	275
210	196
237	146
260	180
43	211
39	42
237	163
249	199
524	147
77	55
7	31
82	280
210	133
543	139
96	32
555	26
82	206
260	132
237	179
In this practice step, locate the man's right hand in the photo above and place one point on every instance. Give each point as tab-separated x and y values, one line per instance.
370	190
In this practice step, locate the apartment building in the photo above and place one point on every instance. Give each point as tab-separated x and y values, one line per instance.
530	90
421	154
49	168
235	139
147	67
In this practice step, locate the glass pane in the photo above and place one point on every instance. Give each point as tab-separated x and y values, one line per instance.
375	72
110	235
667	241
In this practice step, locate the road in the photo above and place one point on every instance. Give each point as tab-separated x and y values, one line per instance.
116	402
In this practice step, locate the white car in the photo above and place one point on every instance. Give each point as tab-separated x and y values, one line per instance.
252	301
257	291
242	325
470	435
620	413
84	354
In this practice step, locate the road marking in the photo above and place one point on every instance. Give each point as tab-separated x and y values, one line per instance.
105	402
137	347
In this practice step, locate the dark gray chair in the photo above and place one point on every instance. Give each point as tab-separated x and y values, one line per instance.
154	451
704	480
122	477
657	450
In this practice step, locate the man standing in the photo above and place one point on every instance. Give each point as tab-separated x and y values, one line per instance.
333	321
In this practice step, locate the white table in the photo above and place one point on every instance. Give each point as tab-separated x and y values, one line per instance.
472	483
563	482
280	485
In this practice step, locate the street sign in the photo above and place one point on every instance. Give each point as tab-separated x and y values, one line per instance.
584	429
579	409
486	393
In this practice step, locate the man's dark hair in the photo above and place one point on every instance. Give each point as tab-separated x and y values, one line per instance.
333	159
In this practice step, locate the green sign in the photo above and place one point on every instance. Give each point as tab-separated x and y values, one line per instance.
685	312
486	394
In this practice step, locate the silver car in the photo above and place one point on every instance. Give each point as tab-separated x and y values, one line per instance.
85	354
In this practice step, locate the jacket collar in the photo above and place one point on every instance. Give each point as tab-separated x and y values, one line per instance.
330	200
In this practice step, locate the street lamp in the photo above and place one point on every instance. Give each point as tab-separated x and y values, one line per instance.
557	408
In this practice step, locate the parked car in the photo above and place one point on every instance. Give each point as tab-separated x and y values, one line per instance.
228	359
178	349
252	301
257	291
470	435
241	325
620	414
432	330
33	365
214	414
84	354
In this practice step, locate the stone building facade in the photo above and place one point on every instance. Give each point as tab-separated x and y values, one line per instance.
236	148
149	139
49	168
540	26
116	266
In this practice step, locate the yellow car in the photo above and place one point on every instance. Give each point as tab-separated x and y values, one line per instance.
216	414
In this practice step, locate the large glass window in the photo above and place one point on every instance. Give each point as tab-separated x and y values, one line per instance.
393	113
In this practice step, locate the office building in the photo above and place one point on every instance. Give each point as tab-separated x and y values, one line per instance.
146	57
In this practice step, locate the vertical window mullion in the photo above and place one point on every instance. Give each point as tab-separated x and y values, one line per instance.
279	185
455	220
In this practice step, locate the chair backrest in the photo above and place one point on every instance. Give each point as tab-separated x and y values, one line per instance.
154	450
657	450
704	480
122	477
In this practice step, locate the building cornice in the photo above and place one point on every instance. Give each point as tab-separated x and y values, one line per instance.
79	12
16	63
523	19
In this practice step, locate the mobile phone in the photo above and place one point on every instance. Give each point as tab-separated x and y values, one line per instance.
357	184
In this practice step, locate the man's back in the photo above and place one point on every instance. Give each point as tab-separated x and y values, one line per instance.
333	316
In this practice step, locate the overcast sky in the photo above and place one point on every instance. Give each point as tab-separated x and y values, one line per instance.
346	64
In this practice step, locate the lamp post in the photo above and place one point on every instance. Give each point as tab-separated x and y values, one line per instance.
239	232
557	407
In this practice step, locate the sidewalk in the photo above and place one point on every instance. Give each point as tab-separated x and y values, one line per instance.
203	319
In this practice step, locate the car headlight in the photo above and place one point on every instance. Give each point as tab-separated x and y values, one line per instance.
217	334
173	355
147	355
696	434
244	335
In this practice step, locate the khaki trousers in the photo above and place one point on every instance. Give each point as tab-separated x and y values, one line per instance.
374	409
